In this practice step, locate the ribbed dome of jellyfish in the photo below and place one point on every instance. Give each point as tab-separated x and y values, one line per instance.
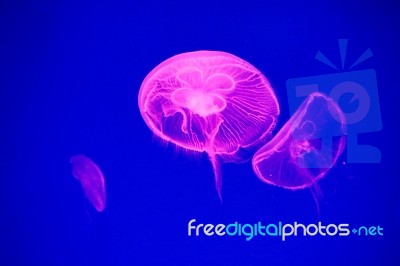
209	101
306	147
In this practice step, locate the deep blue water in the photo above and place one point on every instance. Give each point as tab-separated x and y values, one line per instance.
70	77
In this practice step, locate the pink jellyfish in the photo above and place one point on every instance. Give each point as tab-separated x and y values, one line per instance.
209	101
307	146
92	180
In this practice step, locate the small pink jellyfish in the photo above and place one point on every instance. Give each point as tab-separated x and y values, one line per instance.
92	180
307	146
209	101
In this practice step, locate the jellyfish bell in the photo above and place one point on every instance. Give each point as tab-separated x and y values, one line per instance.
306	147
209	101
88	173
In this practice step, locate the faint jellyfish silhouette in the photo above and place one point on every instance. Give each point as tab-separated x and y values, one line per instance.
91	179
306	147
209	101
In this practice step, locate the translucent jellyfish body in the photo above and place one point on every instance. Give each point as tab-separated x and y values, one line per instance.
91	179
209	101
307	146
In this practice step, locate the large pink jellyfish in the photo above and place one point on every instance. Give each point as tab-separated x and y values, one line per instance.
92	180
307	146
211	102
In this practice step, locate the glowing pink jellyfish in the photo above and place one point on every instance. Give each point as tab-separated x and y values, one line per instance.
92	180
306	147
209	101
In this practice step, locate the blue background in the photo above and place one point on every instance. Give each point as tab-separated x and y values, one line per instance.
70	77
